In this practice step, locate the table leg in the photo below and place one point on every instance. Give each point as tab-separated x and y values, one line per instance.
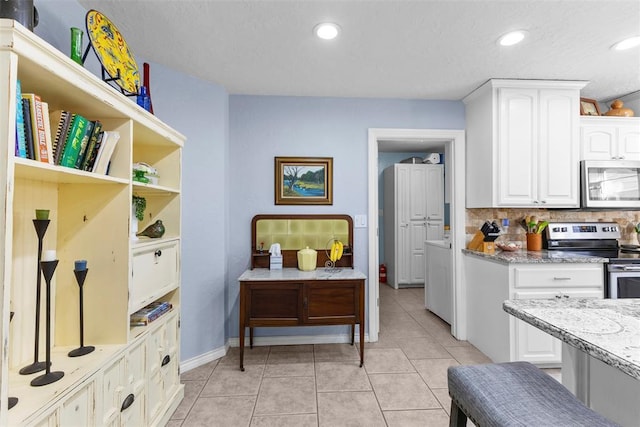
250	337
361	342
353	333
241	333
241	327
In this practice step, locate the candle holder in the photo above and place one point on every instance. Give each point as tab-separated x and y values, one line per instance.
13	401
48	268
81	275
41	226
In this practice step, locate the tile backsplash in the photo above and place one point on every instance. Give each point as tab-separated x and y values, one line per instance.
476	217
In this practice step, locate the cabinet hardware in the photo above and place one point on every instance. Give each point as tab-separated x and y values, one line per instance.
165	360
128	401
158	253
562	278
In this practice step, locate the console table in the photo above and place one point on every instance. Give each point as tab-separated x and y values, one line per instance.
290	297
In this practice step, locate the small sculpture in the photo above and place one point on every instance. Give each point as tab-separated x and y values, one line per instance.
154	230
617	109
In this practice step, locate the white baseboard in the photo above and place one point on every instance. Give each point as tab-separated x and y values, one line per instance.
204	358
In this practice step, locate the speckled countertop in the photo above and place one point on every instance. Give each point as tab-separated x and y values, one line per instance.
292	274
607	329
536	257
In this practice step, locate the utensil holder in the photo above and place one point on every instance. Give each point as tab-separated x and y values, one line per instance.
534	242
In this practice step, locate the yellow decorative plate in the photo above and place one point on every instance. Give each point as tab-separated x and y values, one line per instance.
112	51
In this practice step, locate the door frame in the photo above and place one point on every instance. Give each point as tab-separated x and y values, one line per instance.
454	141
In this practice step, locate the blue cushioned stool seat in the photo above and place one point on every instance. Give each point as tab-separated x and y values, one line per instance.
514	394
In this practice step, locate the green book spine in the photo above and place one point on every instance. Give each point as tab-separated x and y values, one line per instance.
84	143
97	128
74	141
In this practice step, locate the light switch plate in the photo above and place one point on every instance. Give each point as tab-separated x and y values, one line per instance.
360	221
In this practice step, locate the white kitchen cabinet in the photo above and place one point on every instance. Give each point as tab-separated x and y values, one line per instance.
438	288
522	144
413	212
609	138
90	216
504	338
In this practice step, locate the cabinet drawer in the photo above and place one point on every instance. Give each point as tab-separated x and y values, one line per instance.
545	276
155	271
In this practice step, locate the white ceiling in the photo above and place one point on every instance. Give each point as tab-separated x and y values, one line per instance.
387	49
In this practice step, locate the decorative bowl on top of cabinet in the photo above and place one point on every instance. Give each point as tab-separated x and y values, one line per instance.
131	377
522	144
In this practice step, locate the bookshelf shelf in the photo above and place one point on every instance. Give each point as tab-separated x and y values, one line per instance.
90	216
38	171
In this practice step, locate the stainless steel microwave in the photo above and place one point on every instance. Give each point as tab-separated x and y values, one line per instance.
610	183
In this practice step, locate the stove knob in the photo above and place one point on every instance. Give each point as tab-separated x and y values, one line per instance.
564	229
614	228
555	229
605	228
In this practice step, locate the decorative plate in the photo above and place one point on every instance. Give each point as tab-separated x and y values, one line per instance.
112	51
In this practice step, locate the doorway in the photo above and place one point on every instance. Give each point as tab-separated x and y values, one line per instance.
419	140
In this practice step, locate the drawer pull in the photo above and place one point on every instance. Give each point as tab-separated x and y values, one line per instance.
165	360
128	401
562	278
158	253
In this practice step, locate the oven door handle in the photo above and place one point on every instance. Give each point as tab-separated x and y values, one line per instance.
625	267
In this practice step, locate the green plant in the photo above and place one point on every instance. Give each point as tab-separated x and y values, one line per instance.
637	227
139	204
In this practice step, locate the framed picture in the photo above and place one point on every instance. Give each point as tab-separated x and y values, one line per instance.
304	180
589	107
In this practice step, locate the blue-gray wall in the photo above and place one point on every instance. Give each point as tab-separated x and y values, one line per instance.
228	171
264	127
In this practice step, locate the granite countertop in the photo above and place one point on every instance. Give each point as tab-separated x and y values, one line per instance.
292	274
536	257
607	329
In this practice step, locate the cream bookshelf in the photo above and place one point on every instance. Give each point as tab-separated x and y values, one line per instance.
90	219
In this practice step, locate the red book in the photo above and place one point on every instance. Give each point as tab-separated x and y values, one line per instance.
37	127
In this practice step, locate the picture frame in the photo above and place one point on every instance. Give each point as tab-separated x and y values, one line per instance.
303	180
589	107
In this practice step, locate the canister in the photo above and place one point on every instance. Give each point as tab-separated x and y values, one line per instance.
307	259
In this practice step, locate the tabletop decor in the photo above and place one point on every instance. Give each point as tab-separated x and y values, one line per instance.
589	107
113	53
80	272
41	223
49	263
618	110
304	180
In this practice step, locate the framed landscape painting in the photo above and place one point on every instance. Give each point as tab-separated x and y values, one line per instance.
304	180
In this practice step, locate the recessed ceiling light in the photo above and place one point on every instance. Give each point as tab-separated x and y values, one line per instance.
514	37
627	43
327	30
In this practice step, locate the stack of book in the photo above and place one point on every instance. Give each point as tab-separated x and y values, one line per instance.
148	314
76	142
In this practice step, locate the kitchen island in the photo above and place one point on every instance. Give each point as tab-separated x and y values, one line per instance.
601	349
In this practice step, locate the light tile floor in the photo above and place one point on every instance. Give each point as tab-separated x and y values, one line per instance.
403	381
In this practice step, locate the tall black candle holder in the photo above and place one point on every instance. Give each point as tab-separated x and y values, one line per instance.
48	268
41	228
81	275
13	401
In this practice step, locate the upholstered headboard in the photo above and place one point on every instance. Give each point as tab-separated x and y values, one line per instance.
295	232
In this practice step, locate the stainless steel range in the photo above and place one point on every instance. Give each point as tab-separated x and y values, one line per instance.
622	272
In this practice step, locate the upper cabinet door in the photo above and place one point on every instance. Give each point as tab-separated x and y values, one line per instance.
435	192
517	139
558	149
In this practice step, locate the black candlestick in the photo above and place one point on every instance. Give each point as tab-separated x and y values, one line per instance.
81	275
48	268
41	228
13	401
